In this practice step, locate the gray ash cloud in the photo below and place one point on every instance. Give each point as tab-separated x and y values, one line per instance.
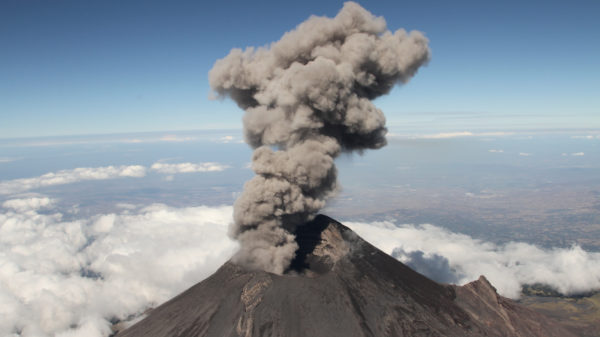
307	98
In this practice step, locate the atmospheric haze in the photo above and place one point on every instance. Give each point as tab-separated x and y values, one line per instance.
309	96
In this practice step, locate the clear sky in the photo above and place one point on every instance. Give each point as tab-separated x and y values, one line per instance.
81	67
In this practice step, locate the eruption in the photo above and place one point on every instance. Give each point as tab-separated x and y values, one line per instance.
308	97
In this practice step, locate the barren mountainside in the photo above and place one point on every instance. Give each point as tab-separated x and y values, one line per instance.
339	285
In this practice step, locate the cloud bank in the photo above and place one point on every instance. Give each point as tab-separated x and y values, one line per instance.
427	248
8	159
450	135
72	277
28	204
586	137
79	174
187	167
71	176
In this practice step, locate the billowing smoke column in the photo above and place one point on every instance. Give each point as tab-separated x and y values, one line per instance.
308	96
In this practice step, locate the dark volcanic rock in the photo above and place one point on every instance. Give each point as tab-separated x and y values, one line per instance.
339	285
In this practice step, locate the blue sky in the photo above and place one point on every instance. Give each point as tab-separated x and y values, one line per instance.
73	67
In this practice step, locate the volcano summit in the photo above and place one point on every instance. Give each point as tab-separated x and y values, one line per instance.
338	285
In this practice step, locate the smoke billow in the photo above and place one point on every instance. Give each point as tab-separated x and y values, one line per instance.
308	96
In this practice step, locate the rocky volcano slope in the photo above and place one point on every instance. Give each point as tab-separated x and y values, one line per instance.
339	285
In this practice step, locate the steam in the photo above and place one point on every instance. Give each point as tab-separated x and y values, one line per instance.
308	96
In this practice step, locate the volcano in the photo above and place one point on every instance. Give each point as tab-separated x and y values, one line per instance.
339	285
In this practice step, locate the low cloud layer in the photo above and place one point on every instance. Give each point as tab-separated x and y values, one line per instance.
450	135
61	277
8	159
71	277
187	167
71	176
228	139
27	204
447	135
586	137
135	138
79	174
427	248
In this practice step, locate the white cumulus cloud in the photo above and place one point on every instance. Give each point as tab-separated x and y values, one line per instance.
62	277
578	154
71	176
69	278
508	267
8	159
444	135
176	138
28	204
154	139
187	167
228	139
449	135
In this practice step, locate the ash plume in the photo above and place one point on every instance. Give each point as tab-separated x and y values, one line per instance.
307	98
